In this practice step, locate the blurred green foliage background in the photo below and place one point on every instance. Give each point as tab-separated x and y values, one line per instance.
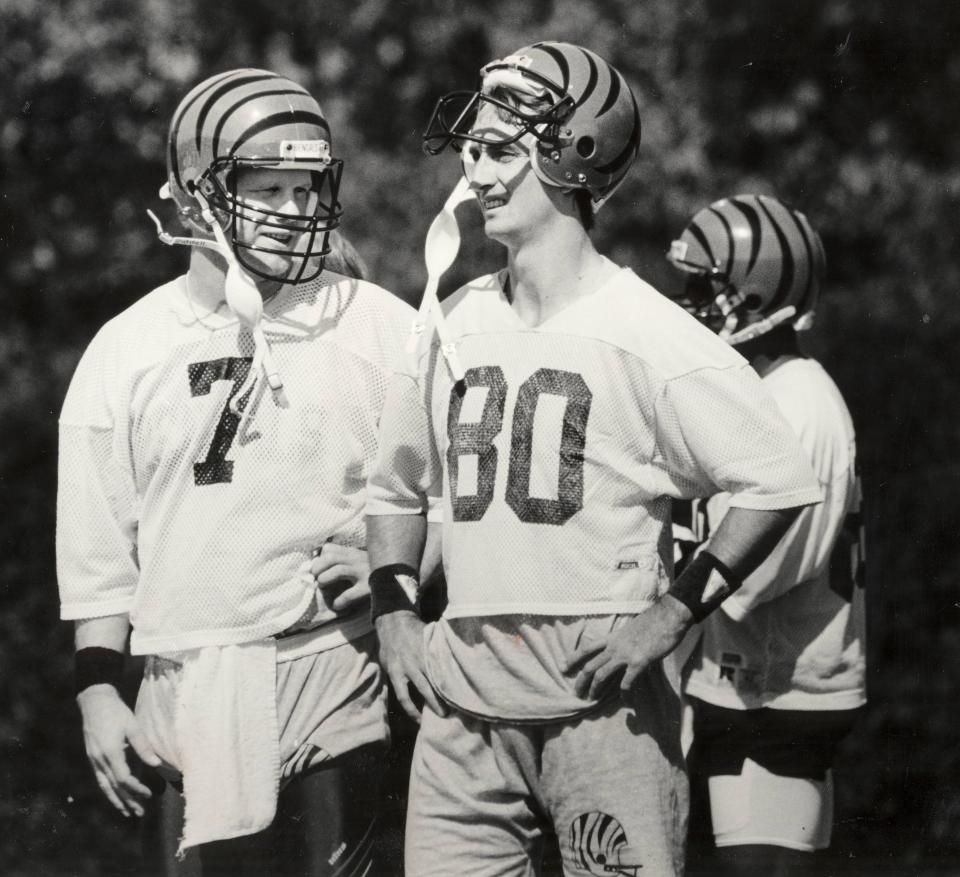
844	108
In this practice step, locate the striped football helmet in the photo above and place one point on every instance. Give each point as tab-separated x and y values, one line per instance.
253	118
752	263
587	123
598	844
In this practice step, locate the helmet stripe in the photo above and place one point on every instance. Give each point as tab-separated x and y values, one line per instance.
613	94
590	834
753	219
253	96
731	243
626	155
701	239
576	841
601	828
788	264
812	279
178	119
305	116
560	61
591	82
215	95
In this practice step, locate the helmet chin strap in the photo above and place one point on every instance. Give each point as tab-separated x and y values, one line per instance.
244	300
440	249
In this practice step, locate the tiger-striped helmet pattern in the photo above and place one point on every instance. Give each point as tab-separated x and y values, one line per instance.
598	845
753	263
586	121
253	118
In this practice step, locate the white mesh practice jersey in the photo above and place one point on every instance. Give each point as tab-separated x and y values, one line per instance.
558	459
193	517
793	636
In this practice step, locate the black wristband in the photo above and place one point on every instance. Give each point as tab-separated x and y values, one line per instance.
97	666
699	590
390	593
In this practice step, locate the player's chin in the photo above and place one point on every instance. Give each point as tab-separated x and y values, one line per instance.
498	228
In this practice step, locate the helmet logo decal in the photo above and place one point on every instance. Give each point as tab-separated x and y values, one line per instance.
598	842
678	250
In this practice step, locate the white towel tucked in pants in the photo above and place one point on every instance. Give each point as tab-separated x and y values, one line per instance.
226	722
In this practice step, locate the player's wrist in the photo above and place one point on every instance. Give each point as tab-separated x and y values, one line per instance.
95	666
704	584
678	612
393	588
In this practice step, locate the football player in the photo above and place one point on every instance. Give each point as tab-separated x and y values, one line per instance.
567	406
214	448
778	678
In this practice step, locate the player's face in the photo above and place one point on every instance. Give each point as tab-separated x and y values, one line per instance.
512	199
289	192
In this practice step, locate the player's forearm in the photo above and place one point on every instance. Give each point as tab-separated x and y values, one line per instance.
398	539
109	632
745	537
432	559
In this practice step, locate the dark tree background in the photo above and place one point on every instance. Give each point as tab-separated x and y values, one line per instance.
845	108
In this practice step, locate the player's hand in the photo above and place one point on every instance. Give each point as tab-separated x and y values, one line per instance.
109	726
630	648
401	655
341	574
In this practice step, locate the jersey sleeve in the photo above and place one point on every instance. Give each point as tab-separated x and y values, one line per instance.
96	498
718	429
804	553
407	477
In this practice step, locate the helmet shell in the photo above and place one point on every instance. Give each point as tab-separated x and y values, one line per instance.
597	142
245	116
760	253
253	118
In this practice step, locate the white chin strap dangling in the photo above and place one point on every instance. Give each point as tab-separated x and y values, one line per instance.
242	296
440	249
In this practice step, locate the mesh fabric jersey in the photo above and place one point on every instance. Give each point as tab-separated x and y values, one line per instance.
558	459
194	518
793	637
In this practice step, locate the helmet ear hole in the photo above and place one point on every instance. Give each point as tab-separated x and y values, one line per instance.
753	302
586	147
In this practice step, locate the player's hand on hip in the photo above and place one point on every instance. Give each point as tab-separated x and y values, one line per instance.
630	648
401	655
109	726
341	574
